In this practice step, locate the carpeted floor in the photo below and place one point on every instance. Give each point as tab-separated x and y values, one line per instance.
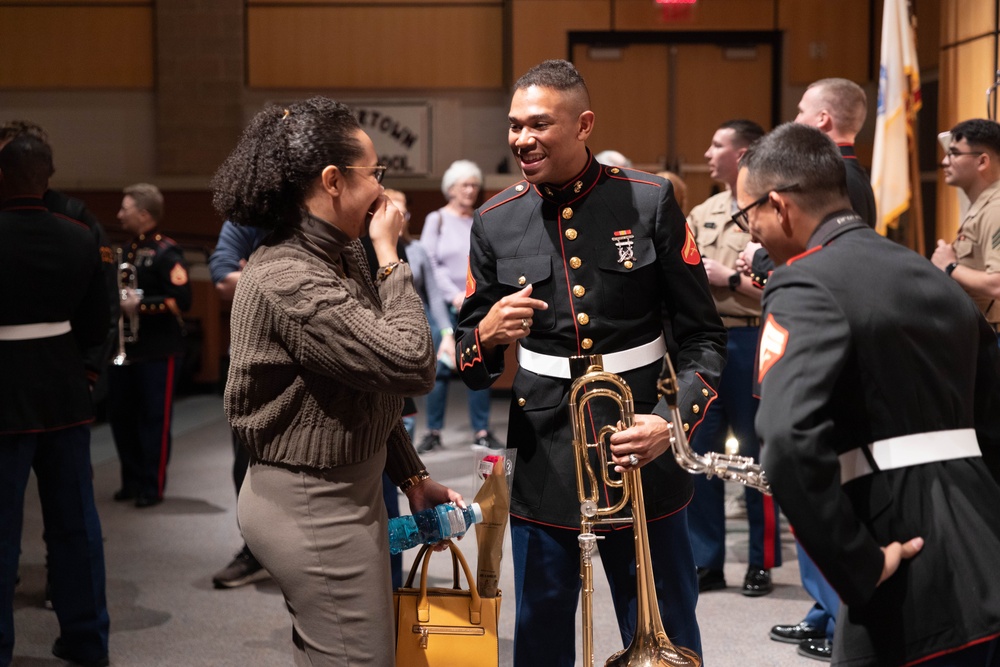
164	610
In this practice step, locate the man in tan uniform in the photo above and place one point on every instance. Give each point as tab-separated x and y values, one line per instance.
972	163
720	240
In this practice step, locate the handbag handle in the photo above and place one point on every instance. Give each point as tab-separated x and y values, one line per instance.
420	557
475	602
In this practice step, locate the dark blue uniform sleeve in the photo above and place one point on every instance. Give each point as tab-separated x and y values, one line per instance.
694	321
478	368
804	344
91	320
96	358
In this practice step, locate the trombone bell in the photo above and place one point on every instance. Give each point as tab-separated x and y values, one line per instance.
650	646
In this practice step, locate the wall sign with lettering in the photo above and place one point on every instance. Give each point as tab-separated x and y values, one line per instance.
401	134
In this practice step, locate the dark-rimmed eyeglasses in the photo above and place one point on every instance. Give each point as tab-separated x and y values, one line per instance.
379	172
742	216
951	153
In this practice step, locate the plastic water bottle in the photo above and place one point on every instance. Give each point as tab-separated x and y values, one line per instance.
431	525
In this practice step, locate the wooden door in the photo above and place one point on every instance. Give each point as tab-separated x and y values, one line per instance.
660	103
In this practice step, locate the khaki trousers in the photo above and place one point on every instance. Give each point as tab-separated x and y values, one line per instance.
323	536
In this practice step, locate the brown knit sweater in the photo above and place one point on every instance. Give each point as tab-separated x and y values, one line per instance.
320	360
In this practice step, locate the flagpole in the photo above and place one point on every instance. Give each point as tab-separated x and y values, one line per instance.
916	191
916	197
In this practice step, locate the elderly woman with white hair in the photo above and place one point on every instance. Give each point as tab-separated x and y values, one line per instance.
445	237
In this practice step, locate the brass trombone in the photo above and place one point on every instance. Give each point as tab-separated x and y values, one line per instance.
128	282
650	646
729	467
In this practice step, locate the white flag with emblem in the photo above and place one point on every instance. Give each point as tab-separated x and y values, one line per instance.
898	103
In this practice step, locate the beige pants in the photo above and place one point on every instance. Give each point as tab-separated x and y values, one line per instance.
323	536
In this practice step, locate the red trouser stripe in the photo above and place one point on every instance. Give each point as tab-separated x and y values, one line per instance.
770	530
168	399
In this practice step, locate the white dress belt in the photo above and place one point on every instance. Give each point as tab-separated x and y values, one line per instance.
614	362
33	331
910	450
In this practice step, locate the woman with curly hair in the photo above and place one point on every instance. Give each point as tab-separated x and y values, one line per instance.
321	359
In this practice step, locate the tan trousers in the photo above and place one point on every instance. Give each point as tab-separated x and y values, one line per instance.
323	536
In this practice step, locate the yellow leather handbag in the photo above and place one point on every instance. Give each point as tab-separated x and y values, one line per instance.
445	627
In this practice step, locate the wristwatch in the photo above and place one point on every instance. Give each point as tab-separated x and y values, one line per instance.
734	281
950	268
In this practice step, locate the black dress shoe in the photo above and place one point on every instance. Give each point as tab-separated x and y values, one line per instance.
796	634
430	442
710	580
64	652
817	649
757	582
122	495
147	501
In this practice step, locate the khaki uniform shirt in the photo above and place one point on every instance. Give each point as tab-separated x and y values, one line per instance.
719	238
978	243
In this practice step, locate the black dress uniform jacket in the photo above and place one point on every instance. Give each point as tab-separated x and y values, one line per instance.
564	241
162	275
865	340
96	357
50	270
859	186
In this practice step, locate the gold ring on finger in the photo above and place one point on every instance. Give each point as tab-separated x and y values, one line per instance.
524	323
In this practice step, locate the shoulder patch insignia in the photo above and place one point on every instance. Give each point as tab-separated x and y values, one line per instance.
773	339
470	283
689	253
178	275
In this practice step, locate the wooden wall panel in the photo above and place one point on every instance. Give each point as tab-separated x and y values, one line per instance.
740	89
705	15
815	40
928	32
540	27
63	3
430	47
629	97
359	3
962	19
629	100
966	71
86	47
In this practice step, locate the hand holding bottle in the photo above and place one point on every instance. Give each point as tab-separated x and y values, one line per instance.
432	525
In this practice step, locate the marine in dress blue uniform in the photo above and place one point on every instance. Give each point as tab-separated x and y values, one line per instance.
720	239
837	107
52	305
611	266
880	419
141	391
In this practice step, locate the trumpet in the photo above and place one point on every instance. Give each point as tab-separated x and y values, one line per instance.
730	467
128	332
650	646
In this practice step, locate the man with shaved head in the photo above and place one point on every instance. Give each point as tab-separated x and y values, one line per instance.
837	108
581	258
